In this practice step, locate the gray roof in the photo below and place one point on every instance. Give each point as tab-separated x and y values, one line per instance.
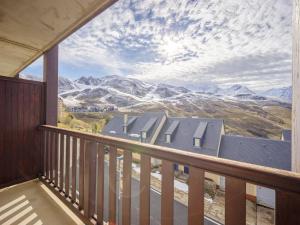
200	131
259	151
115	126
287	135
184	133
172	128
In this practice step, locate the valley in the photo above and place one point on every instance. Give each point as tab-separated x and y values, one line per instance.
244	112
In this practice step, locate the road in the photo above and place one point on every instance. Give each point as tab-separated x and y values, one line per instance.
180	210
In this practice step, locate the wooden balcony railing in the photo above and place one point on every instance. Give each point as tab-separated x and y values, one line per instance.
84	154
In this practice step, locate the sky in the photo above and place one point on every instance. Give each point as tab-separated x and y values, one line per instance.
190	43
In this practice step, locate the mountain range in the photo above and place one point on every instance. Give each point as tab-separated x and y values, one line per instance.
244	111
126	92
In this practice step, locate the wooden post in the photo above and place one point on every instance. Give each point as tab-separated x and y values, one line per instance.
296	89
51	79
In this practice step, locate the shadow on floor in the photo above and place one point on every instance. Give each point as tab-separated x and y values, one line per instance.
30	203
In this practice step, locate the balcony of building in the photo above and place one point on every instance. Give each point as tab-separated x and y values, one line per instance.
77	177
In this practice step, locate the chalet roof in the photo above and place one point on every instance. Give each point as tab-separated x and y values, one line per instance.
115	126
172	128
286	135
183	136
30	28
201	129
259	151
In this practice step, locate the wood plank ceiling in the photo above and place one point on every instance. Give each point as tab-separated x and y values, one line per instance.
28	28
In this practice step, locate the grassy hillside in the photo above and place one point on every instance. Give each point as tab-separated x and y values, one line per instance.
247	118
88	122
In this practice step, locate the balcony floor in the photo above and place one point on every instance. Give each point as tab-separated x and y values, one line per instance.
33	203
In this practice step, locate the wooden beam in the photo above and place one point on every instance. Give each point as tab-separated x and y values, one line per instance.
287	208
196	197
167	193
145	189
81	173
296	89
51	79
126	194
90	157
100	184
112	211
67	167
235	201
74	168
62	162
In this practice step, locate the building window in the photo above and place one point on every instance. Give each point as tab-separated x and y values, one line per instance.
176	167
144	135
186	170
197	142
168	138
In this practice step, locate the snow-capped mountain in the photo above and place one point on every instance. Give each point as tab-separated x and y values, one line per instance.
124	92
116	90
284	93
65	84
92	81
235	91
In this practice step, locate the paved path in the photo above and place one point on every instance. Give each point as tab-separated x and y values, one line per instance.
180	210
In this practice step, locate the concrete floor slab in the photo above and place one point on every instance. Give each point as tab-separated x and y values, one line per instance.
33	203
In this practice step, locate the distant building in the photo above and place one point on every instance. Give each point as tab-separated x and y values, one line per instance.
144	128
206	136
60	107
198	135
101	108
258	151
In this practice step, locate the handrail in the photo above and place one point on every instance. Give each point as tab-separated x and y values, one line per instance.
264	176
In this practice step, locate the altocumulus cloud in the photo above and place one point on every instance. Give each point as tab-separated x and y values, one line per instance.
187	42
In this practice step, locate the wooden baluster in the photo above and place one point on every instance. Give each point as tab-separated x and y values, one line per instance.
62	162
81	173
100	184
67	168
43	155
56	158
235	201
53	157
74	168
167	193
196	197
89	178
145	190
126	196
46	155
50	157
287	208
112	185
86	205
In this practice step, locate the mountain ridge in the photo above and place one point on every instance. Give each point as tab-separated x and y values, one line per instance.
141	89
119	85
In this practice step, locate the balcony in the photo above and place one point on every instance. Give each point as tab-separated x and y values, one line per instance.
88	179
80	178
80	182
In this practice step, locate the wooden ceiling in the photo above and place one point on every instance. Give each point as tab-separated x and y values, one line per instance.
28	28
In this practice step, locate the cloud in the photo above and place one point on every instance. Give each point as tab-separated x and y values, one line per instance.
186	42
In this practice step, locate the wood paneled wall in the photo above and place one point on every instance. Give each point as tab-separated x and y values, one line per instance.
21	112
